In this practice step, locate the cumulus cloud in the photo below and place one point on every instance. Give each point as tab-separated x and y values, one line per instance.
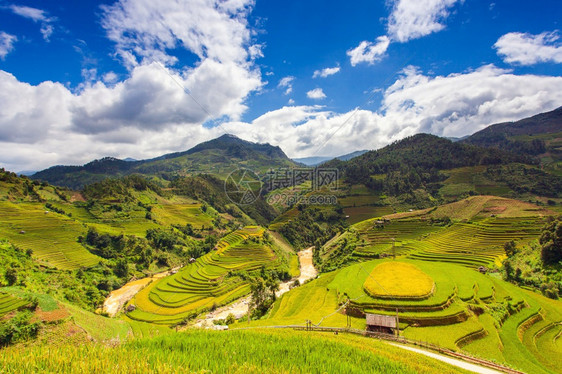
369	52
323	73
529	49
145	29
460	104
6	44
148	115
38	16
145	34
286	83
316	94
29	113
412	19
409	19
453	105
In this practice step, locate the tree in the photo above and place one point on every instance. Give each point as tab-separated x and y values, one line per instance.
551	242
122	268
11	276
263	295
508	269
509	248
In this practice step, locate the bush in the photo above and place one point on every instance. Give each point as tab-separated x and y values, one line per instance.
11	276
230	319
19	328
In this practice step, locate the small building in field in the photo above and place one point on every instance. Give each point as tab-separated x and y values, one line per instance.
382	323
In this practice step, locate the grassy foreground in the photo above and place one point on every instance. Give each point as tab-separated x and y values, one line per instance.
262	351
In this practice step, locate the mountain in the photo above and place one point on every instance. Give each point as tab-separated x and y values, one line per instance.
219	156
535	135
422	153
351	155
422	170
313	161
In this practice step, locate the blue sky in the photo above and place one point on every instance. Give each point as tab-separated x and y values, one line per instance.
138	78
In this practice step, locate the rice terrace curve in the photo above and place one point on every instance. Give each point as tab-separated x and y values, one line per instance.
281	187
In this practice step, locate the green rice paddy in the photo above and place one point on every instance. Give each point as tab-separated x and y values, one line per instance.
213	280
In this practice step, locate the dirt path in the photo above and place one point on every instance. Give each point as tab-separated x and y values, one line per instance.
117	299
452	361
240	308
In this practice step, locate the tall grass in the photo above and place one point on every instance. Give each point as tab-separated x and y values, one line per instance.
226	352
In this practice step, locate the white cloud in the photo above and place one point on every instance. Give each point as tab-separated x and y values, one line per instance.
291	102
412	19
316	94
287	84
110	77
453	105
369	52
6	44
326	72
216	31
147	30
38	16
148	115
460	104
409	19
529	49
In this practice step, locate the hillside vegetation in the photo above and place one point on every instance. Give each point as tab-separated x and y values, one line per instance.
219	156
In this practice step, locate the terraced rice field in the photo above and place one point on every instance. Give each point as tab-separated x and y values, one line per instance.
474	244
10	303
182	214
140	330
51	236
211	281
398	280
283	219
389	237
468	311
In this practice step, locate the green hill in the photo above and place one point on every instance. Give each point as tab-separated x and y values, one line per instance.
218	156
535	135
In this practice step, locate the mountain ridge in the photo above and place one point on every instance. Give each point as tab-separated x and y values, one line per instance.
220	155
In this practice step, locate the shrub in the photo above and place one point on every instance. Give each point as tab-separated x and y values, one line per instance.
17	329
230	319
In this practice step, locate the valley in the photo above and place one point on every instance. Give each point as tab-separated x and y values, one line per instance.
455	242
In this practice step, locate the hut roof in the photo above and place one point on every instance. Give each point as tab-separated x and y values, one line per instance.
381	320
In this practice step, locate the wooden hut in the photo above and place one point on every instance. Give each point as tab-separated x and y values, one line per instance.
382	323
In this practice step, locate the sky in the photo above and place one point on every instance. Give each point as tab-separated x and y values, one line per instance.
81	80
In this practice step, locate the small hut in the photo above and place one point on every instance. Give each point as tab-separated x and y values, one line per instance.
191	260
382	323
